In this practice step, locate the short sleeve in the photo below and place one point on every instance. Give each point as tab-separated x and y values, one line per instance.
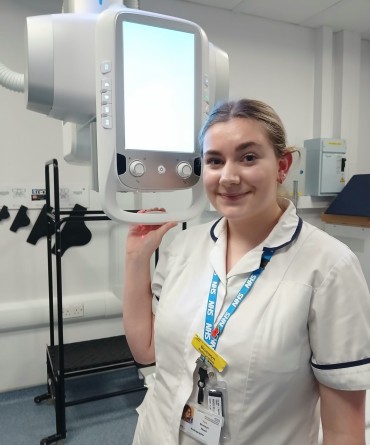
339	327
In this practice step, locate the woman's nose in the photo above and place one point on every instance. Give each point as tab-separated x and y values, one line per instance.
229	174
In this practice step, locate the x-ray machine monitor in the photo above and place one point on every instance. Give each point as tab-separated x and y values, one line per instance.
153	94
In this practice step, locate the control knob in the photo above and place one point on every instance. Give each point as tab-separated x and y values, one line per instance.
137	168
184	169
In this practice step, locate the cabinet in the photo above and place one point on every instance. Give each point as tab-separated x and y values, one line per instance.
325	166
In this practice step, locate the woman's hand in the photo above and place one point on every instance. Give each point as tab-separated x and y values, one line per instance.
144	239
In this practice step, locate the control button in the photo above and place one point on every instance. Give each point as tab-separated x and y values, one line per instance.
106	85
107	122
206	81
106	98
161	169
137	168
106	67
106	110
184	170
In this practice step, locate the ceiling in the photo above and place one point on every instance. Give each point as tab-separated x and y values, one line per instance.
339	15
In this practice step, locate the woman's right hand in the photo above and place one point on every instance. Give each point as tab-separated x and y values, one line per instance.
144	239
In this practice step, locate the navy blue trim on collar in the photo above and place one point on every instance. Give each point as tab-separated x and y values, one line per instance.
295	235
212	231
364	361
293	238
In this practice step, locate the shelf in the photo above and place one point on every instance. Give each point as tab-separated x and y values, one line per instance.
348	220
92	356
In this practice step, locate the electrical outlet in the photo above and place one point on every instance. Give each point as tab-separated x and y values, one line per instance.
73	310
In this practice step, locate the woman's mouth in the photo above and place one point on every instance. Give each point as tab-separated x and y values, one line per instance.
233	196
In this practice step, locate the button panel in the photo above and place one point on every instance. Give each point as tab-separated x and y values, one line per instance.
106	96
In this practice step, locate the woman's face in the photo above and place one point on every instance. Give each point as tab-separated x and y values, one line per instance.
241	170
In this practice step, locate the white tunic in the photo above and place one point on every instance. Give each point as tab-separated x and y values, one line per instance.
306	319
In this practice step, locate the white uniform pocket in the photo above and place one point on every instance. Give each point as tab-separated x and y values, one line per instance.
282	340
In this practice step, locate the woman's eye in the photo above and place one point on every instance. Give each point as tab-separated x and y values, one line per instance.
213	161
249	157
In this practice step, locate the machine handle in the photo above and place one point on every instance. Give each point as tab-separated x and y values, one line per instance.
114	212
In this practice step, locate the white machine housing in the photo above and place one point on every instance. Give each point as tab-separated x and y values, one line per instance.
152	94
63	52
59	79
325	166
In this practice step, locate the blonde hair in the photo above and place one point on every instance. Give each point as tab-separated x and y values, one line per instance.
250	109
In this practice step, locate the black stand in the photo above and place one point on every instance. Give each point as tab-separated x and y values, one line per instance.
65	361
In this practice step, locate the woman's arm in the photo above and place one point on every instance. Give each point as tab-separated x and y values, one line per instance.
342	416
138	319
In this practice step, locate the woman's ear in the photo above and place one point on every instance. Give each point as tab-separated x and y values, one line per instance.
284	165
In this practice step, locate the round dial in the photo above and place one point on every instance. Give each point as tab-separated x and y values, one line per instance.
137	168
184	169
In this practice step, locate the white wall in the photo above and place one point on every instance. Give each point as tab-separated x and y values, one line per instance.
363	149
269	60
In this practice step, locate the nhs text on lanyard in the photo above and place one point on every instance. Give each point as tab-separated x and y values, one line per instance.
211	332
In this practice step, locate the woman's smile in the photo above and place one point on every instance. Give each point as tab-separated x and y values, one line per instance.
233	196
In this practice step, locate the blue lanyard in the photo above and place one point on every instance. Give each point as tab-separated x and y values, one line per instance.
212	333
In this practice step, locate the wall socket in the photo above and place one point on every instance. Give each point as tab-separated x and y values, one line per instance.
73	310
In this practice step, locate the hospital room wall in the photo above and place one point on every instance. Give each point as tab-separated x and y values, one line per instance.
269	60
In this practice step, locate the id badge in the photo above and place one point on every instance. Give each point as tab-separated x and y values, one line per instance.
201	424
217	402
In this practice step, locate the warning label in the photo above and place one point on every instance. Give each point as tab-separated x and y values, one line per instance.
38	195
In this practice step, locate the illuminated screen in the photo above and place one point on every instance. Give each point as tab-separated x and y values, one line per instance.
159	88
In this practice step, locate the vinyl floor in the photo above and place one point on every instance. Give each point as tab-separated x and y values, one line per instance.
109	421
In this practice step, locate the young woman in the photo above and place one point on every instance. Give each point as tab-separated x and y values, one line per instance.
258	321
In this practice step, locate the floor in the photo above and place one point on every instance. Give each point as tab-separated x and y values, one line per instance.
110	421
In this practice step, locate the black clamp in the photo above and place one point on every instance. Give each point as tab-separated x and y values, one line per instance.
21	219
4	213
